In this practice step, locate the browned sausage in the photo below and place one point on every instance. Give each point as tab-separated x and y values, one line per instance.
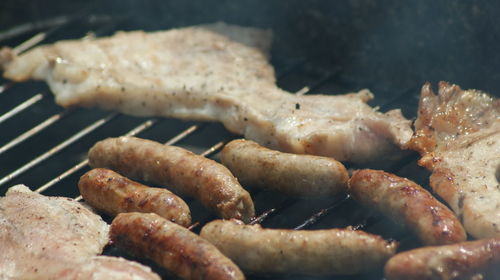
467	260
310	252
303	176
112	193
171	246
407	203
204	179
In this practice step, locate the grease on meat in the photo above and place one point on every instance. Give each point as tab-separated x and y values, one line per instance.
458	136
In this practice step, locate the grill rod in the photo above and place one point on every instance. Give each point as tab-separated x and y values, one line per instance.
145	125
57	148
29	27
5	87
21	107
25	105
31	132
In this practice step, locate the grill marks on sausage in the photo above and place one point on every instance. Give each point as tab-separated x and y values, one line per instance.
112	193
408	204
171	246
204	179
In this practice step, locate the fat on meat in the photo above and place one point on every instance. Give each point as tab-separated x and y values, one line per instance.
55	238
458	136
198	74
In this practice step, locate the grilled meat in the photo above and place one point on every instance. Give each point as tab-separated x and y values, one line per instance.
193	73
204	179
408	204
52	228
303	176
318	252
472	260
56	238
172	246
112	193
458	136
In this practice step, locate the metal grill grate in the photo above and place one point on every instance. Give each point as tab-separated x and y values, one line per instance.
45	146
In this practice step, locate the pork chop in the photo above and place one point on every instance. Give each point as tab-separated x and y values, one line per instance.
458	136
194	73
54	238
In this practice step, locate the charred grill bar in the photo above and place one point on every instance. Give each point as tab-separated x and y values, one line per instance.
45	146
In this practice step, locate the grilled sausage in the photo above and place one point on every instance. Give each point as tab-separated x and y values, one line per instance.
296	175
112	193
204	179
407	203
467	260
176	248
318	252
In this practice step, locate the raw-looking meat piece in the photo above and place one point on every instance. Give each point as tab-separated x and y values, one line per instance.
458	136
194	73
311	252
56	238
51	227
302	176
176	168
472	260
174	247
408	204
113	193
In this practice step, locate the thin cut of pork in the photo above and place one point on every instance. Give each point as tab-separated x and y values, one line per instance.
195	73
56	238
458	136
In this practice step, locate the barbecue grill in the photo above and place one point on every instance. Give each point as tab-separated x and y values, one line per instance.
387	46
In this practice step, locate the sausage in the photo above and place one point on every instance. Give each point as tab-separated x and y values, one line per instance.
303	176
185	172
112	193
407	203
308	252
478	259
174	247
